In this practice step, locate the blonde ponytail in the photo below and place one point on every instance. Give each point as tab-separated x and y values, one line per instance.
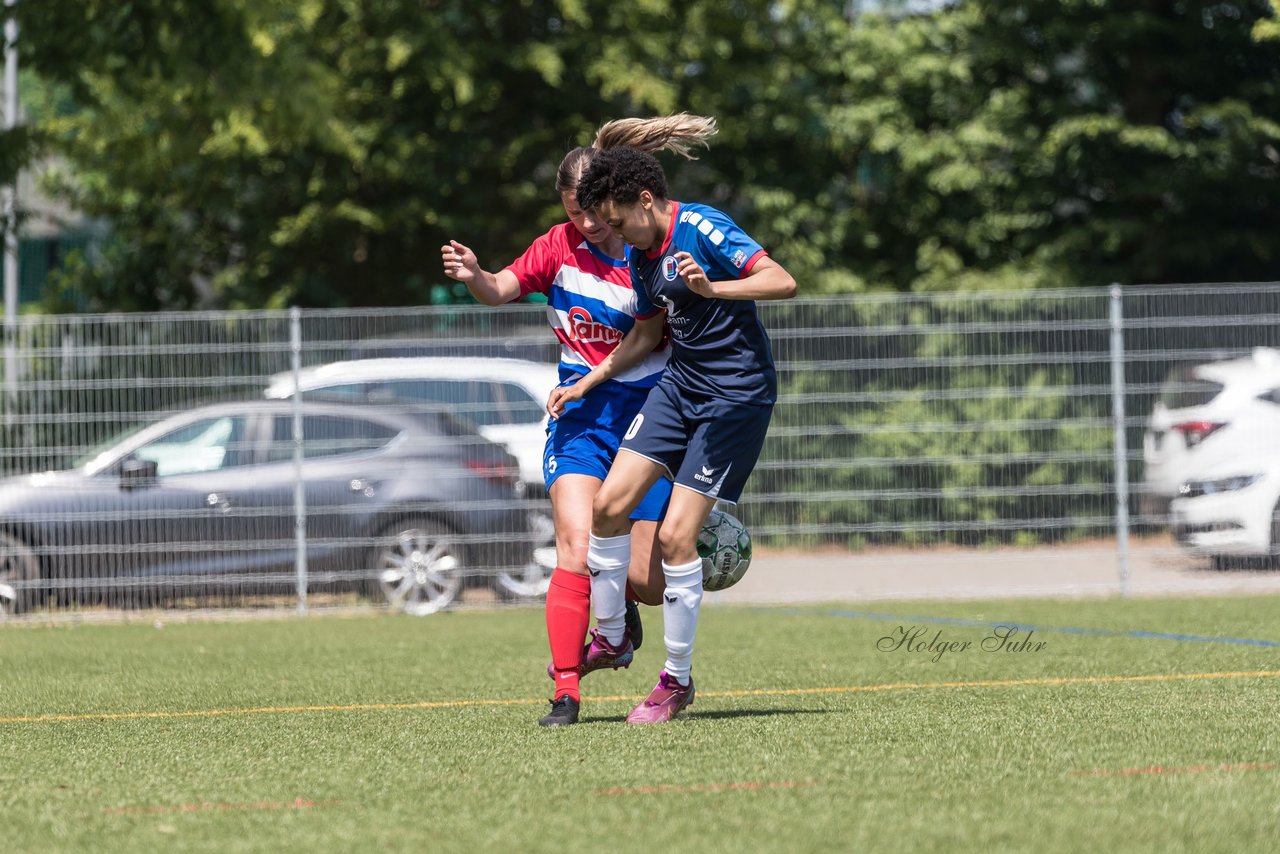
678	133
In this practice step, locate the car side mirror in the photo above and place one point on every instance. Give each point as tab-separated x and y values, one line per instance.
138	474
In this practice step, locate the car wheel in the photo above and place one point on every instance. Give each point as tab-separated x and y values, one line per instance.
19	573
531	582
533	579
416	566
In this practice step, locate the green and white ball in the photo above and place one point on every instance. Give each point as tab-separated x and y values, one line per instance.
725	548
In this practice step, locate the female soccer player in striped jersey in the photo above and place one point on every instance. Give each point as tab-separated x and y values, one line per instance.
581	267
704	423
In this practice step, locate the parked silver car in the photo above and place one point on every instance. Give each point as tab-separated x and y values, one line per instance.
406	507
505	398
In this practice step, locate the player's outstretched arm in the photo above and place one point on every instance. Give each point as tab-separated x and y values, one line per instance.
461	264
635	345
766	281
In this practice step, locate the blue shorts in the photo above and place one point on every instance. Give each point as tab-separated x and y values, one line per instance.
584	440
707	444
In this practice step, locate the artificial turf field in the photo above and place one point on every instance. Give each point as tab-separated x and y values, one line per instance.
1148	725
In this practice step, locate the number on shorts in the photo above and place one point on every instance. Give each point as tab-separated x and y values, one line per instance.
635	426
551	465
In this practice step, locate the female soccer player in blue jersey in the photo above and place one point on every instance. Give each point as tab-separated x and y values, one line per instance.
704	423
581	267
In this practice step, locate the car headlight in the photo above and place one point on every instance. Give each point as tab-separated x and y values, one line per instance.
1196	488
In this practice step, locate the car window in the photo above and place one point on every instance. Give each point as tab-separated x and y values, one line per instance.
473	400
454	394
207	445
485	407
1183	389
104	448
521	407
351	390
482	402
327	436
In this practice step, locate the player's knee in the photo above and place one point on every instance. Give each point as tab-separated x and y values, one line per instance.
609	514
679	543
572	556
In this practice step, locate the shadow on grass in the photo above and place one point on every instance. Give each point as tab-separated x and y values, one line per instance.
717	715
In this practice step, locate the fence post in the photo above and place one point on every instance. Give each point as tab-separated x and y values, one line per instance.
1120	443
299	492
9	400
9	201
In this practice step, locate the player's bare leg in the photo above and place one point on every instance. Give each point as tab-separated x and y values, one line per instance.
687	513
572	496
645	572
623	489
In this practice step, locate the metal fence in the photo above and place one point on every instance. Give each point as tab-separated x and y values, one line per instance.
933	422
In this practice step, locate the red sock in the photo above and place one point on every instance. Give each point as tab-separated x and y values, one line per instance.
568	615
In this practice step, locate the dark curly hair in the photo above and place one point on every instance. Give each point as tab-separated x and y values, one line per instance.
621	174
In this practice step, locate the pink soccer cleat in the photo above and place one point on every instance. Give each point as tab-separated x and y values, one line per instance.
667	699
599	654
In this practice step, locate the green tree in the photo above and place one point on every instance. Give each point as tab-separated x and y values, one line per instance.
1268	29
189	116
1057	143
249	153
259	153
1156	125
264	152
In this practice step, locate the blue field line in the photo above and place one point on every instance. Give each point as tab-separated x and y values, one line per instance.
1030	627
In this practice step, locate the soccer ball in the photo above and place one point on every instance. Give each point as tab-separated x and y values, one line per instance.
725	548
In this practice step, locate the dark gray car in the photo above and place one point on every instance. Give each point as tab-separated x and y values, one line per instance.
402	506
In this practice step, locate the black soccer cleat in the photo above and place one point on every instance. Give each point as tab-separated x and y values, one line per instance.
564	711
634	627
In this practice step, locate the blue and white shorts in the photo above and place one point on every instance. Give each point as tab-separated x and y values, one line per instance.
585	439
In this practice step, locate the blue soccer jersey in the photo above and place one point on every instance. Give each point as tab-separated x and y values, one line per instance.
718	347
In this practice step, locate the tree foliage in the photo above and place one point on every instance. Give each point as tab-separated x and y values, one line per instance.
317	152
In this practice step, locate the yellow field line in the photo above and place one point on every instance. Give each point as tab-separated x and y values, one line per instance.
779	692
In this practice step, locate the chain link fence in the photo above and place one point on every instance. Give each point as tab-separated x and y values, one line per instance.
145	463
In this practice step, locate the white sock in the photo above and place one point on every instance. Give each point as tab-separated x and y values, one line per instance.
607	561
680	603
